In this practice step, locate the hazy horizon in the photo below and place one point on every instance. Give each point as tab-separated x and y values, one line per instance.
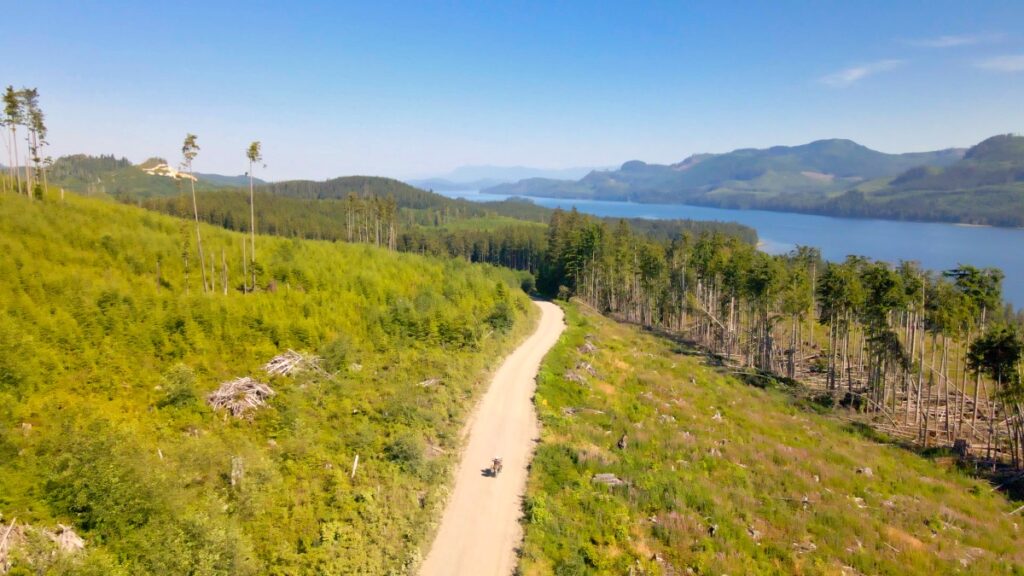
411	91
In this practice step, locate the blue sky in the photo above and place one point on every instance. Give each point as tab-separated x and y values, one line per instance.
418	88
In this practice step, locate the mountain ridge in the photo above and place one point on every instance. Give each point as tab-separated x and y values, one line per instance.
983	184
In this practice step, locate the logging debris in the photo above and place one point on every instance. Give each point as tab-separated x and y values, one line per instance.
288	363
240	396
608	479
66	539
582	366
573	376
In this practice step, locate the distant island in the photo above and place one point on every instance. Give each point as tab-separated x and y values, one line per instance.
983	185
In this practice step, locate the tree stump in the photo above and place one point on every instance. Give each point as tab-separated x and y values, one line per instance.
962	448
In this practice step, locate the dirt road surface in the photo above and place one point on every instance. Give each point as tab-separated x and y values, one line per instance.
480	528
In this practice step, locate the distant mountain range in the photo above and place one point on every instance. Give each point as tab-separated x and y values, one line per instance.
824	165
222	180
484	176
982	185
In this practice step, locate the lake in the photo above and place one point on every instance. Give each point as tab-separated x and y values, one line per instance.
935	246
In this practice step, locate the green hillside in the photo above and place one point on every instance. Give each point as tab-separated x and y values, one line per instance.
985	187
708	475
119	178
109	349
998	161
115	177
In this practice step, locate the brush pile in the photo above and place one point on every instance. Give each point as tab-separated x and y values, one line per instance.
240	396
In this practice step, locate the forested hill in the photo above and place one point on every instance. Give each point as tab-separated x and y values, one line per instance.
985	185
341	188
108	175
998	161
110	349
821	166
404	196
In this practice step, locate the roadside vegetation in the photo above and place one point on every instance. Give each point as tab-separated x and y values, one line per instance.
110	349
653	461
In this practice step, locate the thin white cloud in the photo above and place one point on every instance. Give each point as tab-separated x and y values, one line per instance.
852	75
956	40
1006	63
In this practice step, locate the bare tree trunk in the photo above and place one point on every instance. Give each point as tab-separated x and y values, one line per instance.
962	398
946	384
846	354
199	239
921	376
9	181
28	177
46	184
990	448
977	381
814	271
14	167
245	273
830	380
252	224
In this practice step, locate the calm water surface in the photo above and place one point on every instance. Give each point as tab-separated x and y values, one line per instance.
935	246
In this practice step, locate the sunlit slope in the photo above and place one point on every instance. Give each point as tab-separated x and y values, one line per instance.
720	477
107	356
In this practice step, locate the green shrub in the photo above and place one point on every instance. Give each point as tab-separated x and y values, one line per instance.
178	385
406	450
527	283
335	355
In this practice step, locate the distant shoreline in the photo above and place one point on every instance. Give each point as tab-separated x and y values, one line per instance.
823	214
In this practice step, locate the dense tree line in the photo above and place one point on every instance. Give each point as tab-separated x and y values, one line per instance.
933	356
411	224
85	167
369	219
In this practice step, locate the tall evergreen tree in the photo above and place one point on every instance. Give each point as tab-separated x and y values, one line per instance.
34	122
14	116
